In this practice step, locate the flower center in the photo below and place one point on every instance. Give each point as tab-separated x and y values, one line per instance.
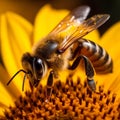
69	101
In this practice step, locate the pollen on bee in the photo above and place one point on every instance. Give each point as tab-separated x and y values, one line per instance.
69	101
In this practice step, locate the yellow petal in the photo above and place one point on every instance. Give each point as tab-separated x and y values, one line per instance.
111	40
5	97
26	25
14	41
7	94
115	86
46	19
11	89
20	33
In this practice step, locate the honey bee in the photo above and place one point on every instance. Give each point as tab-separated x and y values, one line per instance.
65	45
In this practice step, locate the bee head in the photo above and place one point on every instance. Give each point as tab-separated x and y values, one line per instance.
35	68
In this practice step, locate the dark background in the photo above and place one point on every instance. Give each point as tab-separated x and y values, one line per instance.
111	7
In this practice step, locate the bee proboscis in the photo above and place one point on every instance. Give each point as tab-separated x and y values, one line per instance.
65	45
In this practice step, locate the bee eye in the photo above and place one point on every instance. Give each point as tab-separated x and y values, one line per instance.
38	67
38	64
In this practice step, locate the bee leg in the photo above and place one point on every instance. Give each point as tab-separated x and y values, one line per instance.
31	86
49	85
89	70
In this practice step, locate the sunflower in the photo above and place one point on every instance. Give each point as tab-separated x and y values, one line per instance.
71	98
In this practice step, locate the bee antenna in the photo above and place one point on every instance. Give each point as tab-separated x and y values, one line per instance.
21	70
24	81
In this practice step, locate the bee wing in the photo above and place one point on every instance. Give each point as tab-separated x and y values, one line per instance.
79	14
84	28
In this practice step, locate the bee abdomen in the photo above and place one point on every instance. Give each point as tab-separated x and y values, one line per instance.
100	59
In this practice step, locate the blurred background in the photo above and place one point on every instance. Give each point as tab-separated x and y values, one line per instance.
29	8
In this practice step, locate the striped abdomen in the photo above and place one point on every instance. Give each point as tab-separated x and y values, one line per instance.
100	59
